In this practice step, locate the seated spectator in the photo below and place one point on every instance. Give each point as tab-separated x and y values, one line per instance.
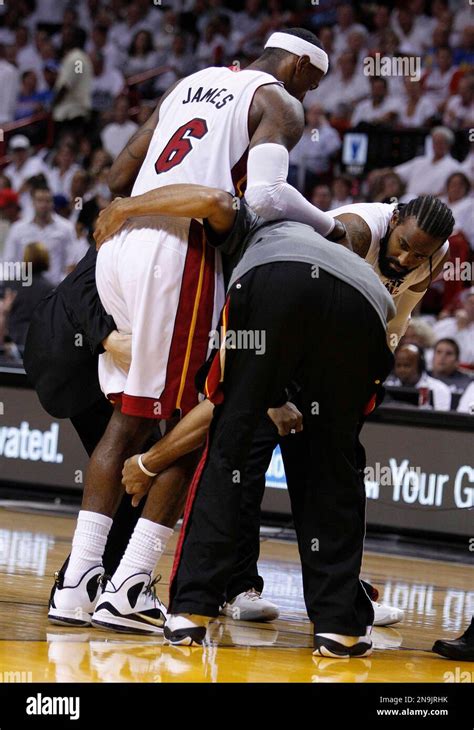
346	24
9	212
410	372
79	193
55	233
464	53
458	198
9	83
24	164
321	197
384	186
31	101
98	198
381	108
438	83
460	328
116	134
344	85
466	402
412	36
141	54
181	64
100	43
122	34
27	297
416	110
420	333
107	83
428	174
446	365
27	56
311	156
64	168
459	111
341	191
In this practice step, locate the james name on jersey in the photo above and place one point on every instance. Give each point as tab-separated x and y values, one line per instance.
211	96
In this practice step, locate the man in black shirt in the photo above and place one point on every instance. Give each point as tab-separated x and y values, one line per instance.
446	365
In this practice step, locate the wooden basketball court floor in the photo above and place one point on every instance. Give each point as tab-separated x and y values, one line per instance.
437	596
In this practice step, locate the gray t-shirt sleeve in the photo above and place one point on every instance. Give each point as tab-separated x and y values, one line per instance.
235	242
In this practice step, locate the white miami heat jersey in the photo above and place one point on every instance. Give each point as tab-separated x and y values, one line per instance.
377	216
202	133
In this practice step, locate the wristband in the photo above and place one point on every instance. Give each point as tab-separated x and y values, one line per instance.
143	467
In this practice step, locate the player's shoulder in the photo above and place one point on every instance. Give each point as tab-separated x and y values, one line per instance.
275	99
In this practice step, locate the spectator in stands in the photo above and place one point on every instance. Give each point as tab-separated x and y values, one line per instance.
249	22
460	328
72	102
98	198
341	191
27	56
9	84
50	76
141	54
381	108
346	23
461	203
46	227
446	365
344	85
27	297
411	35
107	83
181	64
9	212
464	53
122	34
384	186
428	174
459	111
321	197
311	156
100	43
116	134
410	372
380	23
438	82
31	101
417	110
60	175
80	194
23	166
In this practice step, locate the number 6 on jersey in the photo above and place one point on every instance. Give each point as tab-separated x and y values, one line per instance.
180	144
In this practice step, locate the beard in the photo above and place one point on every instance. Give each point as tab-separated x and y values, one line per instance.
387	263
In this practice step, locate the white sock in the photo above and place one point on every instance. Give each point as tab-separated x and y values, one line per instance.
144	549
88	545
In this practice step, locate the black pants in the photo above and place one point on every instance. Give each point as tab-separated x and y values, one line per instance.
325	335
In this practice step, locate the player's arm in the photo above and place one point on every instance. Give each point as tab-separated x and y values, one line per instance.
180	200
276	123
406	303
127	165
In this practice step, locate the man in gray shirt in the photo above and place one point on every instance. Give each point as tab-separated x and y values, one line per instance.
298	308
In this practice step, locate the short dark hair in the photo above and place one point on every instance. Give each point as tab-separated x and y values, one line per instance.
464	178
451	342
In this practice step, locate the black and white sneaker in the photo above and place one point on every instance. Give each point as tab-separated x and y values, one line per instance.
340	646
185	630
132	608
74	605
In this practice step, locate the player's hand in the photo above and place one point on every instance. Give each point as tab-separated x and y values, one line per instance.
120	347
287	419
109	221
135	481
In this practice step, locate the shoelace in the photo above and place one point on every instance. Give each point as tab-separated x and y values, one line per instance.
252	594
150	589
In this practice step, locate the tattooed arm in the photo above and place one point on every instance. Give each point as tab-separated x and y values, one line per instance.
125	168
358	233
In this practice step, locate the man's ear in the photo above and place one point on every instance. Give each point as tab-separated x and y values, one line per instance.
302	65
394	220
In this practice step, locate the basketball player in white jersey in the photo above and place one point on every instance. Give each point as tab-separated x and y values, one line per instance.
406	245
169	293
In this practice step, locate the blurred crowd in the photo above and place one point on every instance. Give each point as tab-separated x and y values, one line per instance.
63	129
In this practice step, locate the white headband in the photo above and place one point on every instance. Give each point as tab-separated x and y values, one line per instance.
299	47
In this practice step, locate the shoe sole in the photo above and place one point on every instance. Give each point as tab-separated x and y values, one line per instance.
191	637
125	625
66	618
452	653
333	650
